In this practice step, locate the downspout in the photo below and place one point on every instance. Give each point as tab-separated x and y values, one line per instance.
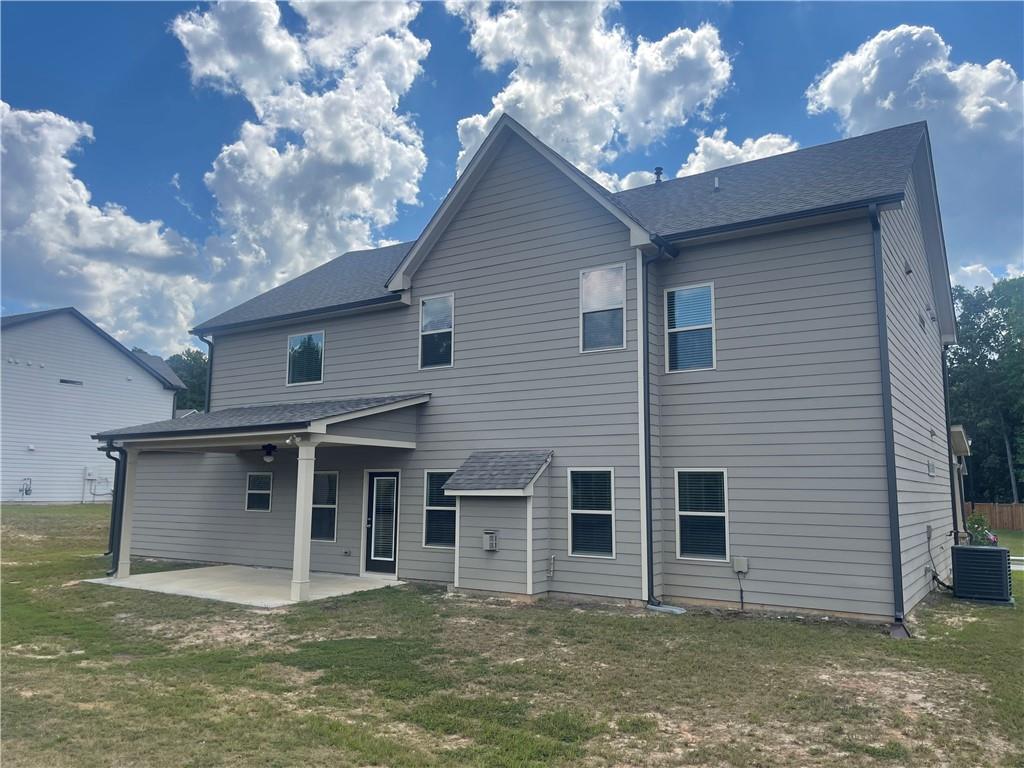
116	503
209	370
898	629
949	447
643	332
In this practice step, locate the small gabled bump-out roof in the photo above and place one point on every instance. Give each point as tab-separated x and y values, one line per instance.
499	471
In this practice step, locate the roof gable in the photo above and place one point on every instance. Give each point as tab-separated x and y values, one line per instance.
505	128
151	364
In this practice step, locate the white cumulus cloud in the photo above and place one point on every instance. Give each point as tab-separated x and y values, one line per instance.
975	115
583	85
716	150
59	247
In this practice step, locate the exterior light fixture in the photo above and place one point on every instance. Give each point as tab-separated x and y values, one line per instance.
268	452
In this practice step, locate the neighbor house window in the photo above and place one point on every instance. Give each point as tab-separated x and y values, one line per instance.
438	512
258	486
591	513
603	308
690	327
325	506
437	330
701	514
306	358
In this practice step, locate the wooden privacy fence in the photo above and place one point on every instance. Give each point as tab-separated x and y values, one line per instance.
1008	517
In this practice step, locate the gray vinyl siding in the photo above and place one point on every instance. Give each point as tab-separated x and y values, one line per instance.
512	257
793	413
392	425
501	571
917	402
56	419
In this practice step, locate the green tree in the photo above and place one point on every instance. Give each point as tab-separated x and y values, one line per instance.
986	373
190	365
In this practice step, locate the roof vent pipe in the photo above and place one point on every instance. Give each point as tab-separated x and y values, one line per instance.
658	170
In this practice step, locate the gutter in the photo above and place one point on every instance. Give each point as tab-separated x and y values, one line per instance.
116	503
898	629
870	203
209	371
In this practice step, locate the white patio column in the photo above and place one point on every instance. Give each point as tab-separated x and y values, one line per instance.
303	522
124	560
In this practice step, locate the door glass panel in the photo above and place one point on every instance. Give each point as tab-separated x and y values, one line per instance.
384	501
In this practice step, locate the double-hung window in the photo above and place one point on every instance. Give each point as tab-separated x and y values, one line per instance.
702	526
325	507
591	513
438	512
258	488
306	358
437	331
690	328
603	308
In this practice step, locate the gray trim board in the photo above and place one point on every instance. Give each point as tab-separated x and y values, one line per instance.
887	426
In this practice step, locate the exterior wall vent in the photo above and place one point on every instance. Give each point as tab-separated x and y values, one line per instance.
490	541
982	573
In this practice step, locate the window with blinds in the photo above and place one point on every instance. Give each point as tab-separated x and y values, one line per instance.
325	506
306	358
438	512
591	513
437	331
603	308
690	328
258	489
702	514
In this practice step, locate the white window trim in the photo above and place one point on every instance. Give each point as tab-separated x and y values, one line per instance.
625	293
610	512
337	494
426	508
270	493
288	358
422	333
725	515
711	325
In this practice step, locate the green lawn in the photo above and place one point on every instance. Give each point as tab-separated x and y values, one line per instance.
99	676
1012	539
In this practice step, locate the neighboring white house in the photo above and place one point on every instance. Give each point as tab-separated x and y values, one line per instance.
63	379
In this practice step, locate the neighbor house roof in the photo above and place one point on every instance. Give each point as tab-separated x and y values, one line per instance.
259	418
350	281
488	471
843	174
151	364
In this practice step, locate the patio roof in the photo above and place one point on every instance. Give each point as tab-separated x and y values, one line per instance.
313	416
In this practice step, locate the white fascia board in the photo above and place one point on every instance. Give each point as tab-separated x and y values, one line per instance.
493	492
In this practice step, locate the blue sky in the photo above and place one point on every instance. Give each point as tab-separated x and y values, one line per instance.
176	215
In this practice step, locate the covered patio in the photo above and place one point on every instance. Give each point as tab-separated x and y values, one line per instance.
292	432
246	585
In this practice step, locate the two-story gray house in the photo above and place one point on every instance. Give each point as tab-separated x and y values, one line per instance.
727	381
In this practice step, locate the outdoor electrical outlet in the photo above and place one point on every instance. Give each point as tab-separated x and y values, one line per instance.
740	565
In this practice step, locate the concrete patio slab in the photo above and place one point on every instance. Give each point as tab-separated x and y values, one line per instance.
246	585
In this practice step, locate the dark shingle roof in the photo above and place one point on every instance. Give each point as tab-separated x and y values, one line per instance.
152	364
498	470
873	167
160	365
355	278
255	418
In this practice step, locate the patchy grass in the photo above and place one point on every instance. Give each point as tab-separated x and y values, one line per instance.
1012	539
97	676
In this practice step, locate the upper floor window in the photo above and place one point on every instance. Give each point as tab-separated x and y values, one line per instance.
437	331
690	328
306	358
603	308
